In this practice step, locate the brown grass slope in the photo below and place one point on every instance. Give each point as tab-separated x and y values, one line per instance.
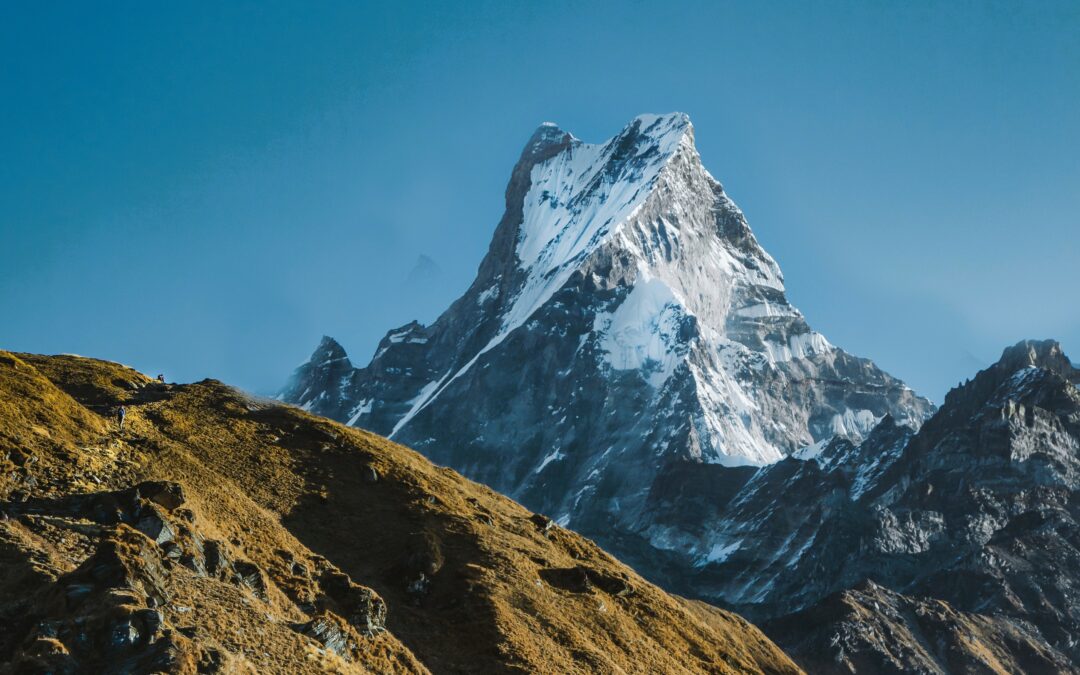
220	533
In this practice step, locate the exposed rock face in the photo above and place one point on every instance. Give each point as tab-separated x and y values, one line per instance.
326	377
624	321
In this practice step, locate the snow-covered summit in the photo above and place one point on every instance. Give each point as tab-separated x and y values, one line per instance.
581	197
624	317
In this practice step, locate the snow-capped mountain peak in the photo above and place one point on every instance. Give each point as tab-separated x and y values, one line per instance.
624	317
627	362
581	197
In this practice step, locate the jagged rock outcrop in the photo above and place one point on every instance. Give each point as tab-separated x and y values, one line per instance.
117	610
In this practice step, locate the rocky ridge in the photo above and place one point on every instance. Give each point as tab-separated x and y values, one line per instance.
951	549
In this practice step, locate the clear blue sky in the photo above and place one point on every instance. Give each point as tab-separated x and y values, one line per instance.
206	190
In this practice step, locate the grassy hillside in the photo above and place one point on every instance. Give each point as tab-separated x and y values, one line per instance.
221	533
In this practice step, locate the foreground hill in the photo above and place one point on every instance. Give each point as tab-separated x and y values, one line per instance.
220	533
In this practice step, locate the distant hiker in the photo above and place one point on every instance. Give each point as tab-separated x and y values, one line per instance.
161	378
121	413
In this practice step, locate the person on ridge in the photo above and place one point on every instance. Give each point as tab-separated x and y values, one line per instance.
121	413
161	378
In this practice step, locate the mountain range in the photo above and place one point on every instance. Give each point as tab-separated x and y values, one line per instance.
626	362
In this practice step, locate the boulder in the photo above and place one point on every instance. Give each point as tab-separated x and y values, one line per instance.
359	605
216	560
163	493
249	575
153	523
543	523
332	632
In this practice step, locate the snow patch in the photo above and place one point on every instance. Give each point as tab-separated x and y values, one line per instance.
363	408
487	294
555	456
417	403
854	424
767	309
811	451
643	331
721	552
798	346
406	336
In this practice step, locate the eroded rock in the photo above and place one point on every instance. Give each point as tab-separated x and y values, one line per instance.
359	605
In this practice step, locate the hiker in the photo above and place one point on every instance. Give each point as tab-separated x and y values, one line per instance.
161	378
121	413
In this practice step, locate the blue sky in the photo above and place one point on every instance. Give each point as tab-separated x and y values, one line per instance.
205	190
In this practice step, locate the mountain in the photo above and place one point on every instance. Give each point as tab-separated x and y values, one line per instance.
425	271
953	549
217	532
625	326
980	512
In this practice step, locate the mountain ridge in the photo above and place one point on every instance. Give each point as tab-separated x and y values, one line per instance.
970	522
218	532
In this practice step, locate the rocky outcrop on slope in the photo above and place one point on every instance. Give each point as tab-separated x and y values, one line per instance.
125	606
